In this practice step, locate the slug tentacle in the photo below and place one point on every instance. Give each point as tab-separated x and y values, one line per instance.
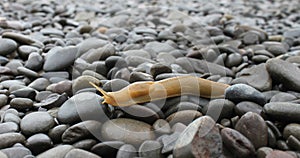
140	92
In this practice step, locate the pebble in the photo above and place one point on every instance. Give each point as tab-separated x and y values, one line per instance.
59	151
39	84
161	126
219	109
114	85
2	155
25	50
85	144
185	117
246	106
285	73
62	57
127	130
7	46
135	61
80	131
139	76
283	111
38	143
243	92
36	122
237	143
201	138
35	62
150	149
9	139
292	129
56	132
83	82
8	127
79	153
278	154
157	69
253	126
257	77
115	61
263	152
3	100
21	103
52	100
25	92
107	148
20	38
169	142
283	97
10	117
27	72
17	151
141	113
126	151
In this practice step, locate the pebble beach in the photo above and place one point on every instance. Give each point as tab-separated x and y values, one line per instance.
50	52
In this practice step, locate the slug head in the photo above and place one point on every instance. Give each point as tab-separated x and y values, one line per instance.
107	97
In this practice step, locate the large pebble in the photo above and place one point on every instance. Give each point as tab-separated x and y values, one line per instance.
200	139
36	122
8	127
35	62
247	106
107	148
292	129
59	58
237	143
283	111
150	149
80	131
219	109
7	46
79	153
59	151
141	113
39	143
126	151
17	151
127	130
56	132
254	128
279	154
285	73
242	92
9	139
21	103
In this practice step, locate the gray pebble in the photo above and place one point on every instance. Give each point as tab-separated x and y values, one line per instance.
38	143
291	129
161	126
185	117
17	151
107	148
139	76
79	153
219	109
150	149
8	127
27	72
283	111
25	50
25	92
83	82
21	103
58	151
126	151
39	84
85	144
246	106
35	62
7	46
3	100
10	117
9	139
283	97
56	132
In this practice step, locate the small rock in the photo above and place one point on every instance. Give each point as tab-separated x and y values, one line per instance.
39	143
8	127
3	100
141	113
278	154
185	117
200	139
219	109
161	126
25	50
59	151
254	128
246	106
150	149
56	132
25	92
157	69
21	103
36	122
17	151
83	82
79	153
9	139
283	97
35	62
107	149
7	46
85	144
291	129
126	151
283	111
39	84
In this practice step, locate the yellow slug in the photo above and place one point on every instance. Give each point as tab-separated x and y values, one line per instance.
141	92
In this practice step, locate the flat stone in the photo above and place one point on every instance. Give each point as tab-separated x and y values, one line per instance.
79	153
253	126
36	122
9	139
285	73
200	139
59	151
127	130
283	111
242	92
80	131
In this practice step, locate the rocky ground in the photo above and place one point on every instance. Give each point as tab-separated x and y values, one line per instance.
50	51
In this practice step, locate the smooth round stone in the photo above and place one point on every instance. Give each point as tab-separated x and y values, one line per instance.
185	117
3	100
168	142
62	57
134	61
36	122
158	69
293	143
8	83
141	113
2	155
38	143
21	103
201	138
85	144
80	131
56	74
25	92
107	149
237	143
276	49
25	50
139	76
8	127
254	128
233	59
7	46
126	151
263	152
283	111
150	149
35	62
10	117
58	151
292	129
278	154
250	38
9	139
242	92
256	76
115	61
283	97
83	82
141	53
27	72
178	127
61	87
94	74
127	130
53	100
39	84
42	95
219	109
56	132
82	106
246	106
99	54
79	153
17	151
285	73
182	105
115	85
161	126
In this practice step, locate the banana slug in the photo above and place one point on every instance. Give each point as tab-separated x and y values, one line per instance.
145	91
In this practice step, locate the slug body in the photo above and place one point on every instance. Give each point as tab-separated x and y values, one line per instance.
140	92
